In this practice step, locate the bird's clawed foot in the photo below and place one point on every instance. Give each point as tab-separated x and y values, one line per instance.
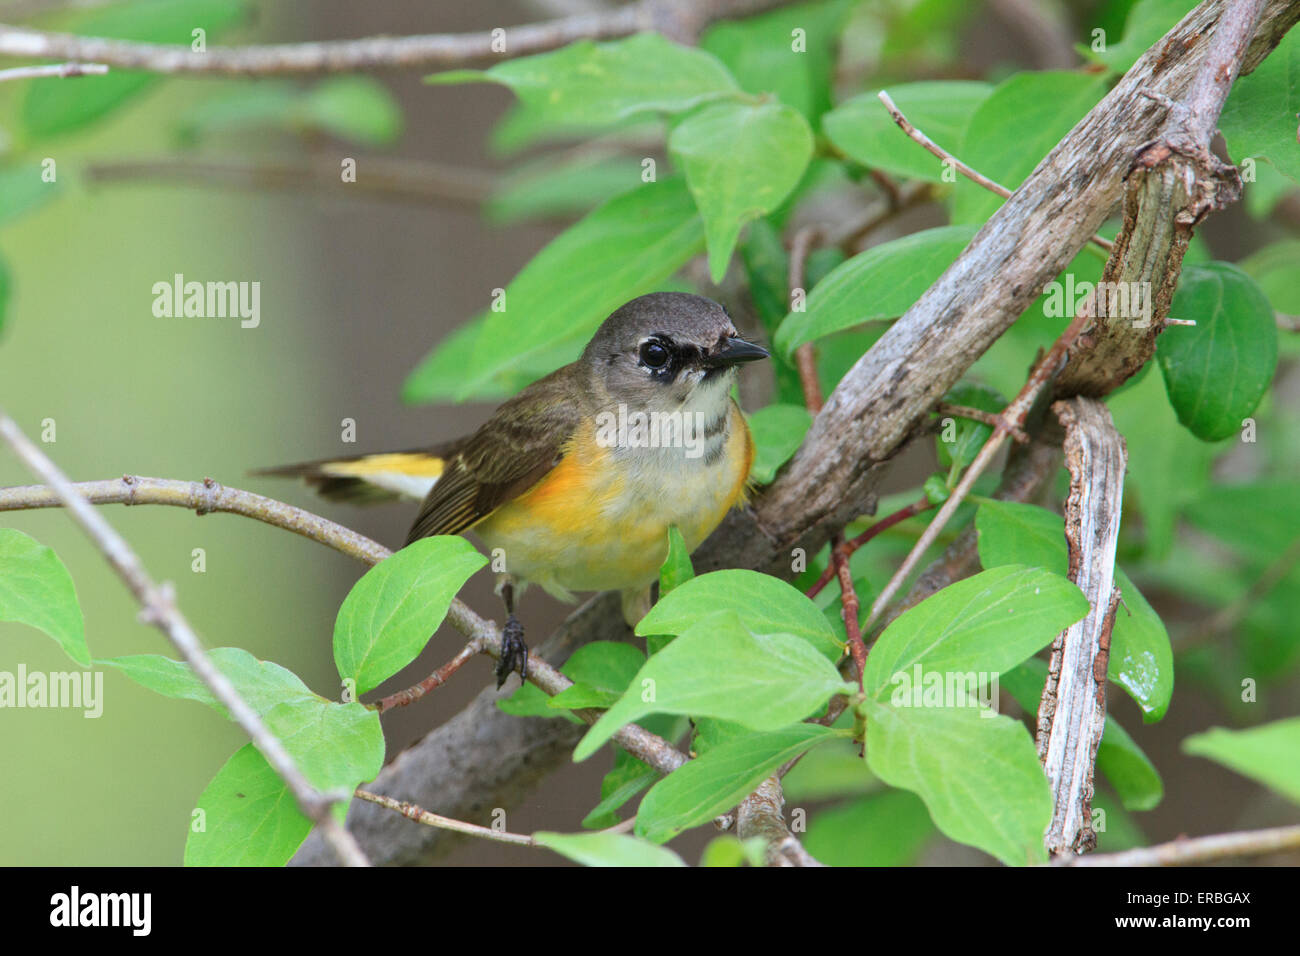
514	652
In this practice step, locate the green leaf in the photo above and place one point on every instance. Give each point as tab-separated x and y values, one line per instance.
881	283
23	189
57	106
36	589
719	779
977	772
728	850
884	829
390	614
608	849
262	684
985	624
1260	519
547	189
1129	770
1266	754
968	436
1141	657
676	569
628	777
589	84
1011	131
1147	22
1126	766
763	55
1167	467
1217	371
1273	268
778	432
865	131
1259	117
740	162
600	672
835	770
250	817
767	605
717	668
355	108
627	247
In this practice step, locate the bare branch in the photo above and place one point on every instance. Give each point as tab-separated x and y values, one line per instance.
761	814
678	19
1072	713
881	401
936	150
159	608
421	815
1196	850
381	177
57	70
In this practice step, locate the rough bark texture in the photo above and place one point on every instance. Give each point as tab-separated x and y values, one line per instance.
1072	713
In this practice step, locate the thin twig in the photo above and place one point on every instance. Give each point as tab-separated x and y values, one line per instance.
159	609
399	179
436	679
805	356
849	605
979	415
1196	850
935	149
920	506
428	51
57	70
421	815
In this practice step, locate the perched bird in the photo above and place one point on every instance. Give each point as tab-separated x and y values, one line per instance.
578	478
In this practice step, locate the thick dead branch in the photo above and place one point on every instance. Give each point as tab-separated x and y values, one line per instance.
1025	245
1072	713
1174	181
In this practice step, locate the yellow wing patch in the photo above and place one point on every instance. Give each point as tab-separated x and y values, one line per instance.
399	463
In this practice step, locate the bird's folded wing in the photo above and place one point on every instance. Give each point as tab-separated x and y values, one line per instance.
514	450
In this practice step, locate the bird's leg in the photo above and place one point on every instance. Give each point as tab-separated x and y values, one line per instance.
514	652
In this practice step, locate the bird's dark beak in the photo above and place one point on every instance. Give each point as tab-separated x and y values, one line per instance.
736	350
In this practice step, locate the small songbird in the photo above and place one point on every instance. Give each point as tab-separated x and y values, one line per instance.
578	478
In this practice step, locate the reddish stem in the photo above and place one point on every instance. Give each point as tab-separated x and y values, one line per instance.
917	507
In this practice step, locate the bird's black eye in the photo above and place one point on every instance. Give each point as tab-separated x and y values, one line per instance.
653	354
